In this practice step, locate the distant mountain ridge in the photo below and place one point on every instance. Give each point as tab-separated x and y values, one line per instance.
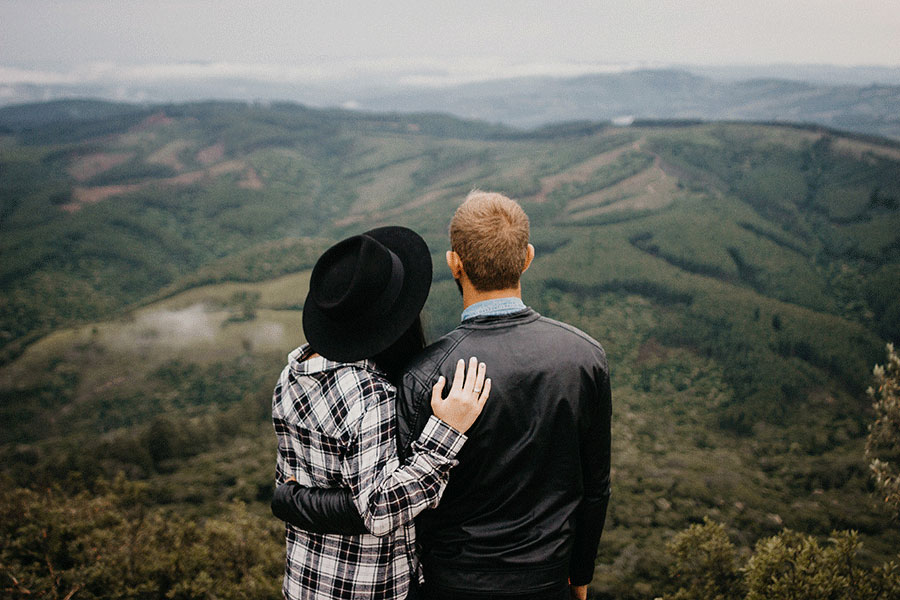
664	94
823	95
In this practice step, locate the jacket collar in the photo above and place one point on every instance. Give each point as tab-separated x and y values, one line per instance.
525	315
494	306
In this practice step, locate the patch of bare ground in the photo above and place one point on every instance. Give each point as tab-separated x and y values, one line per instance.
820	396
651	351
192	177
91	195
168	154
133	139
516	172
582	171
424	199
90	165
793	138
251	180
154	120
211	154
229	166
648	190
860	149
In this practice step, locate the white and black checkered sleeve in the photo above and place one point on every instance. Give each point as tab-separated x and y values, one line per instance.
387	494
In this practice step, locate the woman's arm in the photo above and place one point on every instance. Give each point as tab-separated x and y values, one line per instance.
320	510
317	510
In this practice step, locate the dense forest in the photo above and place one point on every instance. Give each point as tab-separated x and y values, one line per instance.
743	279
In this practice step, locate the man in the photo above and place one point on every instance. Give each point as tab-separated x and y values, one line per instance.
524	509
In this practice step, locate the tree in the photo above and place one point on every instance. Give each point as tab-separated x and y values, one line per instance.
883	443
794	566
705	563
787	566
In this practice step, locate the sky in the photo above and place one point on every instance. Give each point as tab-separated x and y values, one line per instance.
67	40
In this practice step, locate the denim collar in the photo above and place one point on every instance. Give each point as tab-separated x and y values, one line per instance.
493	307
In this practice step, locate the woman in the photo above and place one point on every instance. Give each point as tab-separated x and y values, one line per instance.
333	411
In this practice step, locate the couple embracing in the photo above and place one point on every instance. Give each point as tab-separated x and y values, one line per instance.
407	471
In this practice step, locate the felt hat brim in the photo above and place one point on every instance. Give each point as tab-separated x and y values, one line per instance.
350	340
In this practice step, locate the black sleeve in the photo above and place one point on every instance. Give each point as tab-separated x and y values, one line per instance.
413	412
595	462
317	510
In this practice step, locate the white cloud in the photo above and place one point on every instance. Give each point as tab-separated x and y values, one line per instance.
419	72
13	75
487	70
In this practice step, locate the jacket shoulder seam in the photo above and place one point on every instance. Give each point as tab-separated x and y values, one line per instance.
422	380
574	330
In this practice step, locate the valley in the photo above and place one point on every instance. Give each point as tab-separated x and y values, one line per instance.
742	277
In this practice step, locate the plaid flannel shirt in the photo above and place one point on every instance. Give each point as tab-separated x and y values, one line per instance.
336	427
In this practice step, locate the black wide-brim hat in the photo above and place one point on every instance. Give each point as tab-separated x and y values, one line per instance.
365	292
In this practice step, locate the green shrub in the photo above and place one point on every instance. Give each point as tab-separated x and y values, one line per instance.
787	566
795	566
705	563
883	443
113	546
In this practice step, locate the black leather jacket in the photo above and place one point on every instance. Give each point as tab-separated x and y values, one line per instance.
525	507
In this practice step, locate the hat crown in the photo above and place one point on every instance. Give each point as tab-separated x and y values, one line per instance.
365	292
356	278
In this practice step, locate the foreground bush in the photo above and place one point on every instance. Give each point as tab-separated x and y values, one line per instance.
111	546
883	443
788	566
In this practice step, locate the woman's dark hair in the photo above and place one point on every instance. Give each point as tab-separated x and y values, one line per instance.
395	358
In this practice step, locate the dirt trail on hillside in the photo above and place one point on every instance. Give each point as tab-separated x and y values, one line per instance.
422	200
650	189
91	195
91	165
583	170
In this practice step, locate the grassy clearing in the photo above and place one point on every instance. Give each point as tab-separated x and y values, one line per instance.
207	324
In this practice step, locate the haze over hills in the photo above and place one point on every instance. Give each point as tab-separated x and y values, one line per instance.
860	99
531	102
742	277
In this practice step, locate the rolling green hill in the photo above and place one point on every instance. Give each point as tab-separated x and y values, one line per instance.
743	279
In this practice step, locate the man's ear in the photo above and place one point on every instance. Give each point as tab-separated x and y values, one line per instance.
455	264
529	258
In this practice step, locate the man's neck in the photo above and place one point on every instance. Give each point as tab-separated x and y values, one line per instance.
472	296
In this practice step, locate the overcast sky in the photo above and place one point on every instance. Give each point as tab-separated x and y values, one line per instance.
85	36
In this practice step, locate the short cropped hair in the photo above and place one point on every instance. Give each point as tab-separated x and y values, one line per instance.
490	232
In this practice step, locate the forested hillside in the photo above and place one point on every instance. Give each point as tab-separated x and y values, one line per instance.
743	279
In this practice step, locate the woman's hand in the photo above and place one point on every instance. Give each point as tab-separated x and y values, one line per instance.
466	398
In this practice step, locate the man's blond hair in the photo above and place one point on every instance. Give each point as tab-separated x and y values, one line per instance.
490	232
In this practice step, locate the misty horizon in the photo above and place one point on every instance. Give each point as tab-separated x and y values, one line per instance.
426	72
